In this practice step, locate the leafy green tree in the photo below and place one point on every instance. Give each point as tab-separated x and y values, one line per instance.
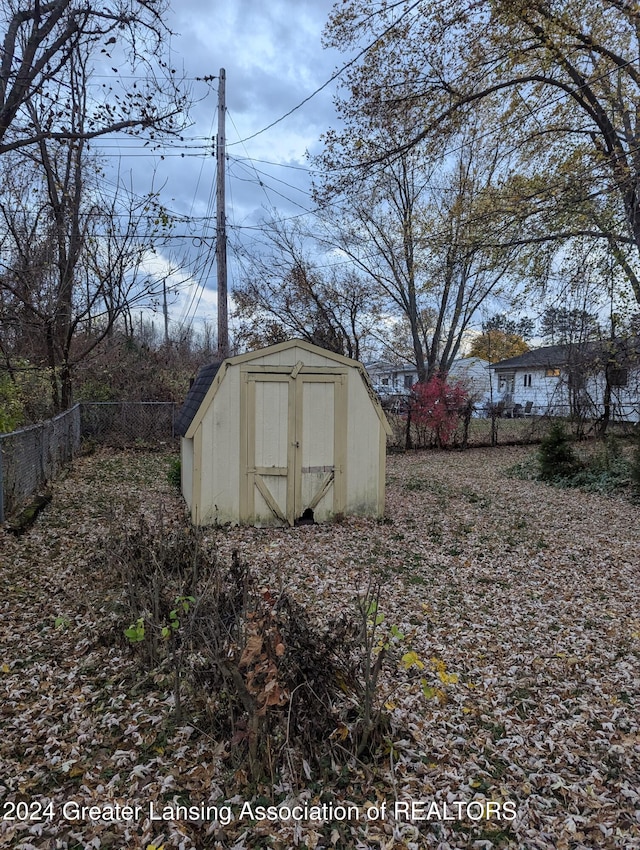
514	327
559	80
561	325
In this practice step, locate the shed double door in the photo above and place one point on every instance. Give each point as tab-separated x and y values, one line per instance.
294	441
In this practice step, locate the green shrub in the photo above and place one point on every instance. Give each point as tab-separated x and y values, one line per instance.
174	475
600	479
527	469
608	468
11	407
608	456
93	389
556	456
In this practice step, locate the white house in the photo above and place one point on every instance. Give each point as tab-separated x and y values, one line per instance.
560	380
390	379
287	434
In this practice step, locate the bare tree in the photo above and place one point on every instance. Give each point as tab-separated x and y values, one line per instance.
73	259
416	227
41	39
75	255
285	294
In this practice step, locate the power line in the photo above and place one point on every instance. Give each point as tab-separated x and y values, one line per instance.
249	159
333	77
252	159
587	171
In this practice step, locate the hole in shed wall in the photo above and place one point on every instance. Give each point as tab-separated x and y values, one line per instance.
306	517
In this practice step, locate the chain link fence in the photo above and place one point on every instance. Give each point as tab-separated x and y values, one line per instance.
32	457
474	431
125	424
480	430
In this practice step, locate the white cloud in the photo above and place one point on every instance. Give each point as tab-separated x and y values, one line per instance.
273	58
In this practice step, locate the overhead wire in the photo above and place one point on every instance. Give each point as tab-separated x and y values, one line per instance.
205	218
331	79
496	129
249	159
262	177
210	256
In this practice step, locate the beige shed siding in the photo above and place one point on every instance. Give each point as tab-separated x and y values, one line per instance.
318	445
271	445
291	356
365	484
186	470
220	472
283	429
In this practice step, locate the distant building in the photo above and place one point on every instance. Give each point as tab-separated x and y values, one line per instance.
392	379
564	380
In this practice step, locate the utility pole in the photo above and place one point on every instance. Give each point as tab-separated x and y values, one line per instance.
221	231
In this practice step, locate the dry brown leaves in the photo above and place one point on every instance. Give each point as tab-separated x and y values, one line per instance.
521	600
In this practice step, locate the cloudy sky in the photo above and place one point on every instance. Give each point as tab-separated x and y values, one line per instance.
274	60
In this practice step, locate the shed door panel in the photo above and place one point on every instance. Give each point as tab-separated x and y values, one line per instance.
316	464
269	448
290	422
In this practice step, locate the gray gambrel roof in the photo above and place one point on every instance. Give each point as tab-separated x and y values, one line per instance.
195	396
537	358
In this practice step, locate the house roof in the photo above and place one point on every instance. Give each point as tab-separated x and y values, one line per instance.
544	358
464	364
387	366
581	353
196	394
459	364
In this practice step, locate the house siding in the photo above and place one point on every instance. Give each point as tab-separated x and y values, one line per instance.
472	372
545	381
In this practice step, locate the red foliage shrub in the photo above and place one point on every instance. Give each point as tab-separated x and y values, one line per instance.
438	406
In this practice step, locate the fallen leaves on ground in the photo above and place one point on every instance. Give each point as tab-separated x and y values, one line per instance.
518	600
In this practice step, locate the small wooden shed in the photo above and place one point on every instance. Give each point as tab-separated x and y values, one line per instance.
288	433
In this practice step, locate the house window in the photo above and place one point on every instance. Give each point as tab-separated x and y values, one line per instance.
618	377
409	381
527	380
552	373
385	382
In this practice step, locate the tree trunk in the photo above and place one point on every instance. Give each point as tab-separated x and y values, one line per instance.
606	405
53	372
